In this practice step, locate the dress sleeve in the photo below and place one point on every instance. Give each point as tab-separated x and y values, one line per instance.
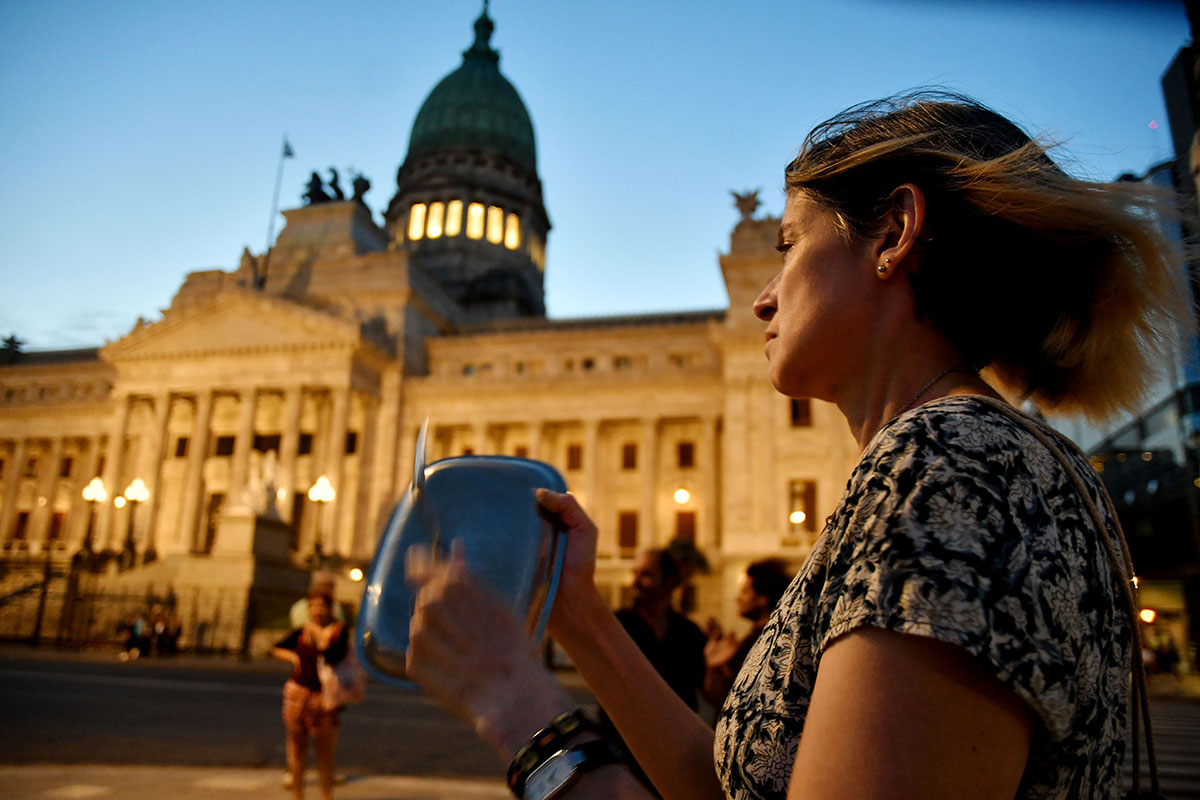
959	546
290	641
336	650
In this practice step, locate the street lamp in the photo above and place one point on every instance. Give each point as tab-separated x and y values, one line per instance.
321	493
95	494
136	492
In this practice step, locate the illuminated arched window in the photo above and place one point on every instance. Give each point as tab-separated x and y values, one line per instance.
475	221
454	218
416	221
537	252
495	224
512	232
437	213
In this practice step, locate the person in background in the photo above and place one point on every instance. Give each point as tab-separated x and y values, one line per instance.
758	593
324	583
303	711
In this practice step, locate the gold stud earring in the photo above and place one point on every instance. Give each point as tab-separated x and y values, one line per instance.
882	269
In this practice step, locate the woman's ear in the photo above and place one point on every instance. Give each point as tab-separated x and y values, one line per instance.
901	228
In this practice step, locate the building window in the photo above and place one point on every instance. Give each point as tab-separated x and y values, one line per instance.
622	363
685	525
65	467
629	456
574	456
685	453
266	443
437	218
416	221
589	363
522	452
512	232
802	511
224	446
627	533
181	445
304	446
454	218
22	526
1	467
475	221
495	224
801	413
56	526
351	442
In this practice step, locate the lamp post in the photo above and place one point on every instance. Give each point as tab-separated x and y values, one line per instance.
136	492
321	493
95	494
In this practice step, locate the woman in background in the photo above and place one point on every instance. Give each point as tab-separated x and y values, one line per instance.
303	710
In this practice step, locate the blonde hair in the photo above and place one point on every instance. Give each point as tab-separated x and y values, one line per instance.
1066	290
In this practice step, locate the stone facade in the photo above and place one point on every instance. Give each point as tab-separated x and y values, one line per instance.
329	351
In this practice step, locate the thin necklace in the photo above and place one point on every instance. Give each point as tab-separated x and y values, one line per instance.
928	385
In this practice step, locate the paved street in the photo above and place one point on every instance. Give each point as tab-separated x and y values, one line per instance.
84	725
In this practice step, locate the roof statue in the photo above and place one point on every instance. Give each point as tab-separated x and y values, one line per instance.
747	203
316	191
361	186
335	185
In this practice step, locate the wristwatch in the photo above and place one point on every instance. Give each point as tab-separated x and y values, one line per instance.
560	771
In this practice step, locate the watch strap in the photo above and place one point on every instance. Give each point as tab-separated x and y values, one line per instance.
545	743
584	758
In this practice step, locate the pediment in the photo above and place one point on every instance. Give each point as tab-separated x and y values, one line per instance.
234	321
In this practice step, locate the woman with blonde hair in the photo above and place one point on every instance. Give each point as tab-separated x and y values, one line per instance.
963	625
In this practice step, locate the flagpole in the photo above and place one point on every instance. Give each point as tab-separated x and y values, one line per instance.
284	154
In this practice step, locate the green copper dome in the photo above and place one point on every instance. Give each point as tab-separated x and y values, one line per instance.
475	108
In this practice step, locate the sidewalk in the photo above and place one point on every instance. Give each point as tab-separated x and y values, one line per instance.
79	782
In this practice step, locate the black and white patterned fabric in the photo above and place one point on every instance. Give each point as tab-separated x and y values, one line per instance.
956	524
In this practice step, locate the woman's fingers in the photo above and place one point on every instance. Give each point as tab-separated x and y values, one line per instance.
566	508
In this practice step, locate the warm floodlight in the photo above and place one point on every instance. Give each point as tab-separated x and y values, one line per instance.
95	492
137	492
1148	615
322	491
797	517
682	496
356	574
119	501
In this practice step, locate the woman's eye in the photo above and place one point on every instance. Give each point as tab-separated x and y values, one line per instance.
783	249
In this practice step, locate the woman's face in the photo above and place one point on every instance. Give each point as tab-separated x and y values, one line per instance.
818	309
318	609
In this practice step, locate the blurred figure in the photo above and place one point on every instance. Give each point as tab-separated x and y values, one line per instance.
321	582
760	589
304	713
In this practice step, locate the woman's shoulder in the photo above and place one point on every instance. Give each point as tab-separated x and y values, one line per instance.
959	432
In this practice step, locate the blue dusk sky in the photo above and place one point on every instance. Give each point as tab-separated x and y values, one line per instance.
140	140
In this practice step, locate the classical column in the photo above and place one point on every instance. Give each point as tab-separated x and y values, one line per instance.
385	482
289	443
187	535
12	480
239	472
82	512
106	535
151	466
359	533
648	464
607	542
535	438
39	527
710	466
334	455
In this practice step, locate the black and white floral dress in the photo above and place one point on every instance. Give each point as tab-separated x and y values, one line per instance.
956	524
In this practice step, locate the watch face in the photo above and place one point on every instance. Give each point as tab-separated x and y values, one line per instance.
547	779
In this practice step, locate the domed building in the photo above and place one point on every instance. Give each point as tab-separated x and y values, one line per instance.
266	423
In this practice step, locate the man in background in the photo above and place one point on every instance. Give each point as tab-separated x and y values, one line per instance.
761	587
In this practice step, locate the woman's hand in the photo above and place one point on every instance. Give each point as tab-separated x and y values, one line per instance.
468	650
579	569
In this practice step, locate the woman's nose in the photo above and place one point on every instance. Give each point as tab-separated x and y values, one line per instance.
764	305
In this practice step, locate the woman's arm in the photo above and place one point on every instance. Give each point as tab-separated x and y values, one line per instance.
897	715
670	741
283	654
